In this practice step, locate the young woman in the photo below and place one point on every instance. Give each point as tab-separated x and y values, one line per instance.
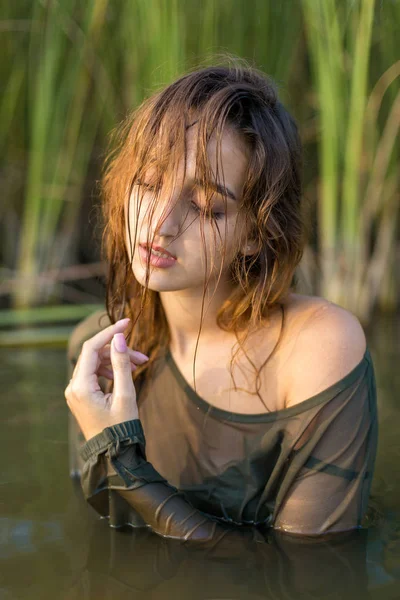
252	404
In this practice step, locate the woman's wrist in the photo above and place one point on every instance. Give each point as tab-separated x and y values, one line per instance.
113	435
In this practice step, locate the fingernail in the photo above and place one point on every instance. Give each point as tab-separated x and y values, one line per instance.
122	320
120	342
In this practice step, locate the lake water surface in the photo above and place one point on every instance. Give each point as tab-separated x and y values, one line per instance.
54	546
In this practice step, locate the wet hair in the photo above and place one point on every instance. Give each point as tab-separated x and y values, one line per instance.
152	140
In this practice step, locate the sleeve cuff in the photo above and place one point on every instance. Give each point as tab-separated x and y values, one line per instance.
131	430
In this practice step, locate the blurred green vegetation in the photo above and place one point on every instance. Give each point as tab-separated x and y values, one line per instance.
72	70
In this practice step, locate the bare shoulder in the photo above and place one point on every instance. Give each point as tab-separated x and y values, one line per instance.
329	343
85	329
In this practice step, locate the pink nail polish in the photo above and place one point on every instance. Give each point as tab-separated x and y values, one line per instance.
120	342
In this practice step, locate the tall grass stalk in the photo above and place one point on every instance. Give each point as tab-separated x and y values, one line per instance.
325	47
353	156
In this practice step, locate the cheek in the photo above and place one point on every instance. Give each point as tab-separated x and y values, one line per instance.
129	236
132	224
139	215
219	243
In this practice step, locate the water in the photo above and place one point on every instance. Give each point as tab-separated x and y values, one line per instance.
53	545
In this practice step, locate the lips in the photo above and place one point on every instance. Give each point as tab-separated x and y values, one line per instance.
158	249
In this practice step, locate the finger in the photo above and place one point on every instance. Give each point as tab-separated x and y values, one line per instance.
107	372
135	355
123	383
104	372
109	366
88	359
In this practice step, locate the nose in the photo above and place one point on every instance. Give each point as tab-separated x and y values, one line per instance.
168	215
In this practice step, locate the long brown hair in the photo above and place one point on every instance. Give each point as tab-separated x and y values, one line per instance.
241	97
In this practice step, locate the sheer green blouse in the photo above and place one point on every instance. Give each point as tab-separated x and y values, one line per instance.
192	471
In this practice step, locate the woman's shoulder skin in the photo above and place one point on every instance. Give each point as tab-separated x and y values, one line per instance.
329	343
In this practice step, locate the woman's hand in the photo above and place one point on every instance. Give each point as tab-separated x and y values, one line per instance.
92	409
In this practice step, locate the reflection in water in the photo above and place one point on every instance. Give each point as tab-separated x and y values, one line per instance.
53	545
25	536
134	561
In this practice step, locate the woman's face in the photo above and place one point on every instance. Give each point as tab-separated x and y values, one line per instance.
178	228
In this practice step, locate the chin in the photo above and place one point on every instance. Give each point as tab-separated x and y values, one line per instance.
159	280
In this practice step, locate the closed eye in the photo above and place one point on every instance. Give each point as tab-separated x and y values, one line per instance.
146	186
214	215
196	208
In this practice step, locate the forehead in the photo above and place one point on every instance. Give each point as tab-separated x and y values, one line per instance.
231	156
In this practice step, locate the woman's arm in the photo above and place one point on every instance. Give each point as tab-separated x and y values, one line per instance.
115	459
114	454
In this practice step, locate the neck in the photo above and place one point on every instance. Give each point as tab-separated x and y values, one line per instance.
183	312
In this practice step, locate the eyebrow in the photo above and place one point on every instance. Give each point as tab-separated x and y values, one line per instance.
218	188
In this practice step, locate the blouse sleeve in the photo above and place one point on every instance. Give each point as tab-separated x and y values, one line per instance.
115	461
327	484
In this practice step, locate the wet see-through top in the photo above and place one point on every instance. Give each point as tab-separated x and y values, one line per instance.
193	471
